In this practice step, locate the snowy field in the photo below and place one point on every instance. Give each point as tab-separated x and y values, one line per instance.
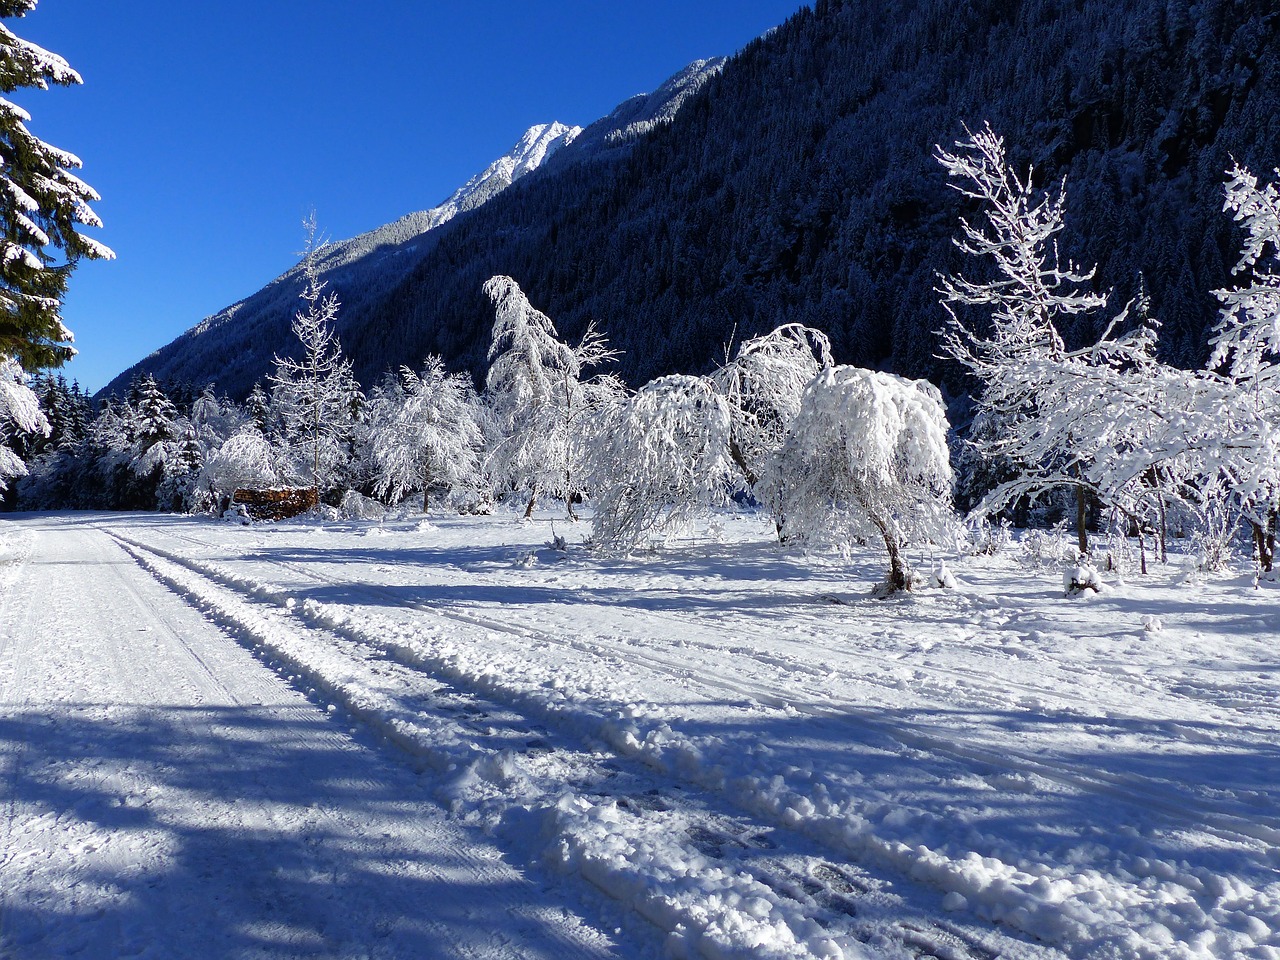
448	739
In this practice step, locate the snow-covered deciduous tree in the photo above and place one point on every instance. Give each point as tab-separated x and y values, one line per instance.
245	459
763	384
1246	349
866	457
538	397
423	430
660	460
1246	340
1031	290
42	209
313	393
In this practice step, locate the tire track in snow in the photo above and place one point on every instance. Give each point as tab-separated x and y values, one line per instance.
943	741
100	679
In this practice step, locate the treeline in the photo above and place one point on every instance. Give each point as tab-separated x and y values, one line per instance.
835	452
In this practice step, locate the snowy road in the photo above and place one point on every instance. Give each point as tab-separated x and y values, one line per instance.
693	751
166	795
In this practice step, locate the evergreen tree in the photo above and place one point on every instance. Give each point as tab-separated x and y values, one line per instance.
42	207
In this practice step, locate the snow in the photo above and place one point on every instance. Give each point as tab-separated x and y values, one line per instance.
405	739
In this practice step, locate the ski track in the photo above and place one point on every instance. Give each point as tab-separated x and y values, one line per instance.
671	663
167	797
1017	891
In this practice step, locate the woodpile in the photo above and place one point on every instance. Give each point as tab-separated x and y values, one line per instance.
279	503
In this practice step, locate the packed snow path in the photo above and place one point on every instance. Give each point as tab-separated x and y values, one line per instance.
700	741
165	795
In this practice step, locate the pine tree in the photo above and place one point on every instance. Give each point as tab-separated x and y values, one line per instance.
42	207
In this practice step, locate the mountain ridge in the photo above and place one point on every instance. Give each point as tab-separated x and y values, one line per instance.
540	145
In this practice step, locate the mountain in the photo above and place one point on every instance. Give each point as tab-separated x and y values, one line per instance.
234	347
796	183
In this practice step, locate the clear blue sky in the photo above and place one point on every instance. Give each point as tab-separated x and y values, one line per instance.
210	129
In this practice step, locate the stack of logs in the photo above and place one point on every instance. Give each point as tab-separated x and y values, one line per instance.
279	503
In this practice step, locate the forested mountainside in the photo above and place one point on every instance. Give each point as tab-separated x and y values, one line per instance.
797	184
235	346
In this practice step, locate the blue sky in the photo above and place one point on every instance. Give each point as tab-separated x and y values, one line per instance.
211	129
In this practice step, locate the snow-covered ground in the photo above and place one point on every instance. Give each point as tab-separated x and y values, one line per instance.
447	738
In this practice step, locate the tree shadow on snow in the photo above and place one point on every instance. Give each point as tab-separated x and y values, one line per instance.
234	831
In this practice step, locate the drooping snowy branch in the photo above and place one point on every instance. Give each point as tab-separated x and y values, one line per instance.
866	457
661	460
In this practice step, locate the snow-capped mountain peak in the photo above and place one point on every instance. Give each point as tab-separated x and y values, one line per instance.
538	142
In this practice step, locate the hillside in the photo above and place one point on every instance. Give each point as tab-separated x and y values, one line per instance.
797	185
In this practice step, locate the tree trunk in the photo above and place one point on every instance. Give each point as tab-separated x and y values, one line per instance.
1271	538
533	498
1264	543
899	577
569	495
1164	529
1082	516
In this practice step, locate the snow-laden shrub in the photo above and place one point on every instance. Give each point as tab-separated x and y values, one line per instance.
1047	549
942	577
1081	577
245	460
866	458
356	506
1214	537
989	539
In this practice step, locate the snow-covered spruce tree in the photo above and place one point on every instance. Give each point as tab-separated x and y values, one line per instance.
762	385
313	393
1031	291
660	460
423	430
539	400
42	208
866	457
257	407
1246	348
